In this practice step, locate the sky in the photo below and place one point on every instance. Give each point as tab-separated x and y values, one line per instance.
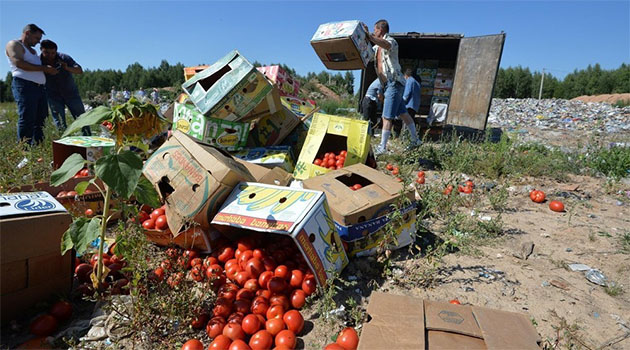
559	36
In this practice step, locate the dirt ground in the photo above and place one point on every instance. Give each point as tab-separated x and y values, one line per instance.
610	98
541	286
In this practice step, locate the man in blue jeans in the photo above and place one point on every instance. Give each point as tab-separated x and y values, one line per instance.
389	73
61	89
28	84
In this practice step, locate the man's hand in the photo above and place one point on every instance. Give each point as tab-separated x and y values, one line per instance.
64	65
50	70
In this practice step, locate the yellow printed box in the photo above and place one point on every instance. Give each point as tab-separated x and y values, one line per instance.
331	133
269	157
300	214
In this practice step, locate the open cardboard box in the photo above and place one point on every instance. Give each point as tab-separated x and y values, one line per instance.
273	128
360	216
286	84
274	176
342	45
32	267
189	72
300	214
269	157
407	323
330	133
91	148
193	179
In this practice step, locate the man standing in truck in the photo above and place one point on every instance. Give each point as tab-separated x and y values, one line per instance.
389	73
411	96
369	106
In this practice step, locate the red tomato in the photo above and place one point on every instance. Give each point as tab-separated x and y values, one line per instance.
279	299
294	321
356	187
309	286
197	273
231	262
250	324
142	217
236	317
460	188
222	307
244	258
274	326
157	274
339	163
156	213
226	254
242	277
348	339
239	344
297	277
269	263
215	326
395	171
161	223
264	278
343	153
242	305
468	189
210	260
260	307
246	243
196	262
254	267
399	179
43	325
277	285
455	302
220	342
287	338
556	206
317	162
199	321
282	271
330	162
61	310
83	271
420	173
84	172
448	189
258	254
537	196
334	346
166	264
245	294
192	344
389	167
148	224
262	340
276	311
228	291
420	180
470	184
251	284
89	213
298	298
233	331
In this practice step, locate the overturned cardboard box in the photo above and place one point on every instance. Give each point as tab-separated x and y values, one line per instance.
286	84
192	179
343	45
221	133
90	147
298	106
189	72
269	157
274	176
407	323
361	215
231	89
300	214
273	128
32	267
330	133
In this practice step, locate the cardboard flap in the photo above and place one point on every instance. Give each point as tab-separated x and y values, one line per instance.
396	323
516	331
451	318
381	179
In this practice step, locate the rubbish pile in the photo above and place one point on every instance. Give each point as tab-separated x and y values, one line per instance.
559	114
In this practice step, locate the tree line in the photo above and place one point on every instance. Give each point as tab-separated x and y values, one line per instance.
516	82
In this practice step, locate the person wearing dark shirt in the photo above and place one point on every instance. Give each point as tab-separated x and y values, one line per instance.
60	88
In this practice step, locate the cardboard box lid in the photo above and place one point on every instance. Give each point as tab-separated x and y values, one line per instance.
333	30
402	322
28	204
86	141
275	176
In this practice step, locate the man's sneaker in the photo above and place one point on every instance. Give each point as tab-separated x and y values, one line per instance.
379	151
413	145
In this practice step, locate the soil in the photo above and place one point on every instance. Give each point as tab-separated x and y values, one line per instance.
609	98
327	92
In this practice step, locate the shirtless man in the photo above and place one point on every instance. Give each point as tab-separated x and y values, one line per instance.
28	84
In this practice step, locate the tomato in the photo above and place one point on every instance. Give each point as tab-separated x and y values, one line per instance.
279	299
264	278
537	196
199	321
251	284
287	338
399	179
277	284
192	344
389	167
242	305
251	324
334	346
222	307
244	258
210	260
460	188
275	311
156	213
239	344
148	224
242	277
343	153
356	187
233	331
215	326
230	262
172	253
455	302
43	325
395	171
282	271
226	254
157	274
228	291
262	340
296	279
298	298
161	223
468	189
220	342
254	267
89	213
448	190
166	264
259	307
470	184
309	285
556	206
294	321
83	271
246	243
420	180
175	279
197	273
317	162
269	263
62	194
61	310
420	173
348	338
245	294
84	172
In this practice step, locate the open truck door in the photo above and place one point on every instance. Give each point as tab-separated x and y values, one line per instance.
477	66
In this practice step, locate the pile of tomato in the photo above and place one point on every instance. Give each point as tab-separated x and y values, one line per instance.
331	160
261	285
153	219
115	281
394	170
46	324
538	196
347	339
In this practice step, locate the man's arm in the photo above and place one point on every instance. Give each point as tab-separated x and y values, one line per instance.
377	41
71	66
15	52
407	92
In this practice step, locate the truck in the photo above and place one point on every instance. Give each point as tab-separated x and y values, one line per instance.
452	69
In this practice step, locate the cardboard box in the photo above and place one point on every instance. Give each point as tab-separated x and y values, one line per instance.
192	179
444	92
412	323
445	73
192	238
221	133
360	216
269	157
301	214
330	133
90	148
189	72
273	128
230	89
286	84
439	99
426	91
444	84
32	267
298	106
343	45
426	73
275	176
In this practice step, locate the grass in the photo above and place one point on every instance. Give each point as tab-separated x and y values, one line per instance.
622	103
613	289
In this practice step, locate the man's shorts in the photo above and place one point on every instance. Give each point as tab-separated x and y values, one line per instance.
394	104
